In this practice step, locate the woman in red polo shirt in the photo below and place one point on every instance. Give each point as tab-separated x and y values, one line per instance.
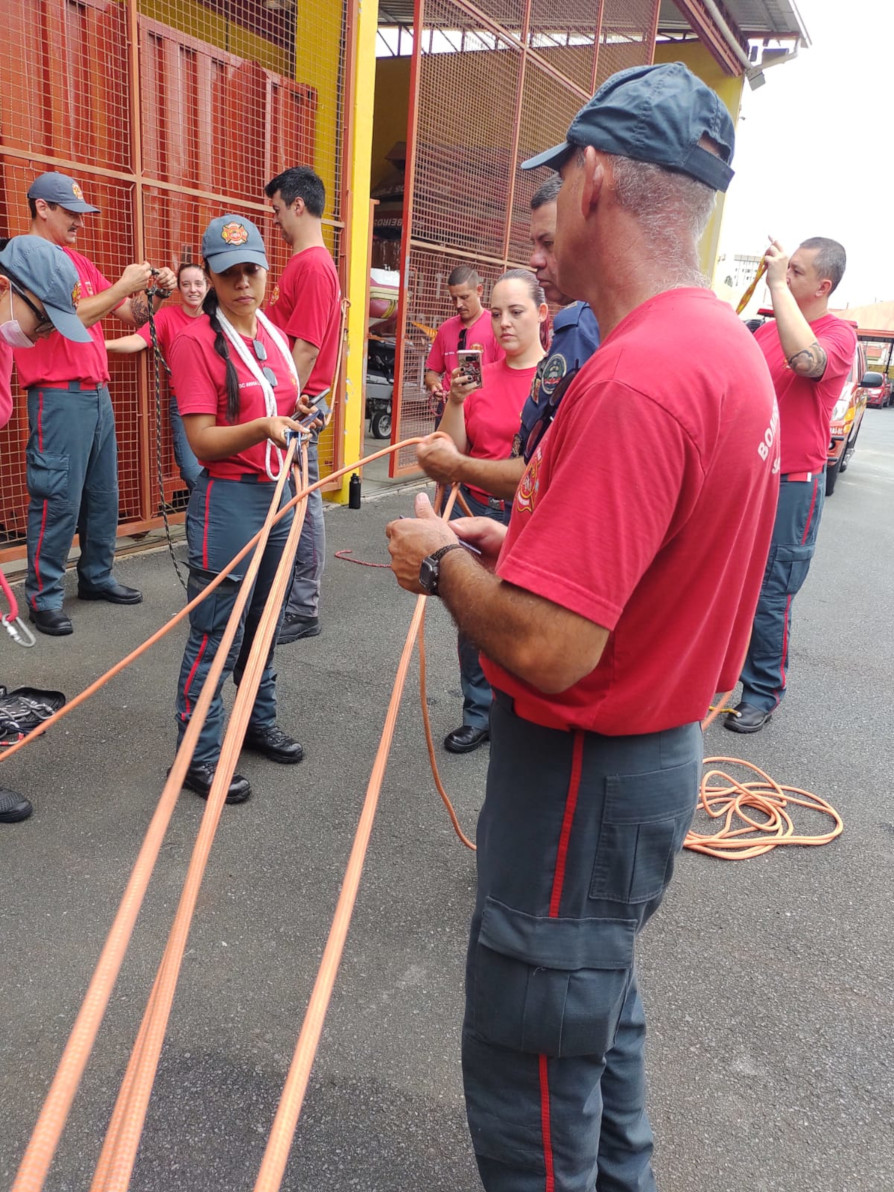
192	285
482	421
237	390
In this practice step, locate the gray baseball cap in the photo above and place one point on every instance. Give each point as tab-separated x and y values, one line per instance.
657	114
233	240
44	270
59	188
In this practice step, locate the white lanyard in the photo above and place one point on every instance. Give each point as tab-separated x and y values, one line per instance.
254	368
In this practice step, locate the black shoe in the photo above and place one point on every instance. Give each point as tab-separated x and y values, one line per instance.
746	718
274	744
294	627
465	738
114	593
200	775
13	807
50	620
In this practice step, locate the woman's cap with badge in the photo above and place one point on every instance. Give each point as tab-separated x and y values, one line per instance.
54	187
46	271
656	114
233	240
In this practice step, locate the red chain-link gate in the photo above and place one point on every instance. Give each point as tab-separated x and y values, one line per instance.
168	114
491	84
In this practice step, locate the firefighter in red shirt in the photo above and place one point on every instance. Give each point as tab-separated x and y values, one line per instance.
602	636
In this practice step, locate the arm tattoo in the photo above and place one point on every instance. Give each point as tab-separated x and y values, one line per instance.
139	307
809	362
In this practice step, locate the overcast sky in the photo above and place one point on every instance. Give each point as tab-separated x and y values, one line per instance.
815	148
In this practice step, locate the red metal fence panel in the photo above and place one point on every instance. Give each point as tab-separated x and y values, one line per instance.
492	83
218	115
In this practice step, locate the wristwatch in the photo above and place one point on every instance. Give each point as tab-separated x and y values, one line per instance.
430	568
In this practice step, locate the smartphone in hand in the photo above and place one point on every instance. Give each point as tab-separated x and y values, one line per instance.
469	360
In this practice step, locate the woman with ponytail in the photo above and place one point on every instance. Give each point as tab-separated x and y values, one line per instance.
237	391
482	416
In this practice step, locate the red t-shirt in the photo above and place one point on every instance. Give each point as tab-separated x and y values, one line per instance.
805	405
55	361
480	334
199	377
648	509
5	383
169	322
492	412
307	305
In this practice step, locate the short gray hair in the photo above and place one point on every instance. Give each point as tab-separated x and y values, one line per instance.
830	261
659	197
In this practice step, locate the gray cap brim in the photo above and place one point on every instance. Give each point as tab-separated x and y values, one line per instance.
68	324
79	208
552	158
236	256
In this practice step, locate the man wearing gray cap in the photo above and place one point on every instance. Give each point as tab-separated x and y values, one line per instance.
72	455
604	638
37	287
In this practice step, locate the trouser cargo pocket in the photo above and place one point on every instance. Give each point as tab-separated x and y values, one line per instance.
46	475
550	986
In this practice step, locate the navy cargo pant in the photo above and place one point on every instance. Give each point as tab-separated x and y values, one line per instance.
475	687
222	516
576	845
303	594
72	478
791	549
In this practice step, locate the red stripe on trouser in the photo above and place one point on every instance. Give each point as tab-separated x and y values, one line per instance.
191	675
786	621
43	516
810	513
545	1128
577	759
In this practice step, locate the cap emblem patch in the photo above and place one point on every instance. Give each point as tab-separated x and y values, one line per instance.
234	233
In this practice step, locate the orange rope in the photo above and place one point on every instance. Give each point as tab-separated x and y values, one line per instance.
733	802
774	827
57	1104
746	297
282	1132
123	1136
99	683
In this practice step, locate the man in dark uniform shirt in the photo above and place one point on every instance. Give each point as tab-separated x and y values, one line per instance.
575	339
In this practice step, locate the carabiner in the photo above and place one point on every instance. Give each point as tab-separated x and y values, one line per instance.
19	631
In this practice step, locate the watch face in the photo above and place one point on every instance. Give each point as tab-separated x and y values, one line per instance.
428	576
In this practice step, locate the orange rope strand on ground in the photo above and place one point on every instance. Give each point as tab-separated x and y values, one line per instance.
733	802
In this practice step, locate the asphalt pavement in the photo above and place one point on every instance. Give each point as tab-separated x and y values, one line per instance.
767	982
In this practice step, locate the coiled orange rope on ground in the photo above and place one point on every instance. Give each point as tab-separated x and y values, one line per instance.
743	834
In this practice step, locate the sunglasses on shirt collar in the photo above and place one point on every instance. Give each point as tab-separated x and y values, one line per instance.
261	352
43	320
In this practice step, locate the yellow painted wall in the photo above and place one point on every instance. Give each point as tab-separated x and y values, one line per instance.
391	111
705	65
205	25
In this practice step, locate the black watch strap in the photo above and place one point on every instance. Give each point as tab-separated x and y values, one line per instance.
430	568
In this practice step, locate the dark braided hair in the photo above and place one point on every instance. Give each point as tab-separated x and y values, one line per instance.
210	306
